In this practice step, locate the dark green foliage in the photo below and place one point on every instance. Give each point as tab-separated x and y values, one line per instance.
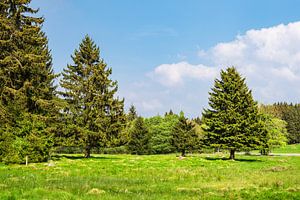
198	120
27	93
132	114
292	117
169	113
139	137
232	122
95	117
184	135
124	136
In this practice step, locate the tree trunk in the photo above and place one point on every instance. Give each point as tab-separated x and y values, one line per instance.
264	152
183	152
232	151
87	152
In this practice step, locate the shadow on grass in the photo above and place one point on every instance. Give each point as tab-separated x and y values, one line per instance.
78	157
237	159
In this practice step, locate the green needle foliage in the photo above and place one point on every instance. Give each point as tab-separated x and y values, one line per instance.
94	115
130	117
184	135
233	122
28	105
139	137
132	114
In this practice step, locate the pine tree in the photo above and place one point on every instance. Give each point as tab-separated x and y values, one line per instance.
139	137
132	115
27	93
95	115
232	122
184	135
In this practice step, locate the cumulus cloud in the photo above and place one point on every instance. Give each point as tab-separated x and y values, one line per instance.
272	48
175	74
269	58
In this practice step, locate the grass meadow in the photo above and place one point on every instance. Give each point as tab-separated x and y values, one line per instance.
201	176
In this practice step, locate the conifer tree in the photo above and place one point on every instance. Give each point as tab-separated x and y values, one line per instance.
132	115
27	93
232	121
139	137
95	114
184	135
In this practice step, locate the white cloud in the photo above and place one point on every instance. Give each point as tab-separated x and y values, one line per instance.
285	73
269	58
275	49
174	74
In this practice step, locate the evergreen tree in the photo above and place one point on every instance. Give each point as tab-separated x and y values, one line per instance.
198	120
139	137
94	114
132	115
27	93
184	135
232	122
169	113
292	117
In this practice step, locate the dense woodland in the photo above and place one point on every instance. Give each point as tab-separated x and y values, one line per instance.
37	119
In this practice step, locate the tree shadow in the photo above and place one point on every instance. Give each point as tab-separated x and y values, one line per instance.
79	157
237	159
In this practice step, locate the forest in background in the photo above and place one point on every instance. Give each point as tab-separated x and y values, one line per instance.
37	120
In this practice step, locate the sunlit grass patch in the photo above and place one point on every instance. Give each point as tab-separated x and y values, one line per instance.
197	176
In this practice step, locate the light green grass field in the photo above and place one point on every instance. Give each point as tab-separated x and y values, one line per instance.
154	177
294	148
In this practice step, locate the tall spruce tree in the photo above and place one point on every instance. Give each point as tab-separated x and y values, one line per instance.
132	114
95	114
27	93
184	136
232	122
139	137
130	117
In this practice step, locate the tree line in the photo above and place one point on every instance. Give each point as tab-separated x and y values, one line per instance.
36	118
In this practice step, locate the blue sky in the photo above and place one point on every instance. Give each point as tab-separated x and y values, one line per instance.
166	54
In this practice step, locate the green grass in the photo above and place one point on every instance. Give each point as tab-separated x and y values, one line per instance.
294	148
154	177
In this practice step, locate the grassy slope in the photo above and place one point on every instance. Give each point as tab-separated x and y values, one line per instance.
154	177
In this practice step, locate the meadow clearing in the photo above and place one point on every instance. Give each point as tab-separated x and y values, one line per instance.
199	176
